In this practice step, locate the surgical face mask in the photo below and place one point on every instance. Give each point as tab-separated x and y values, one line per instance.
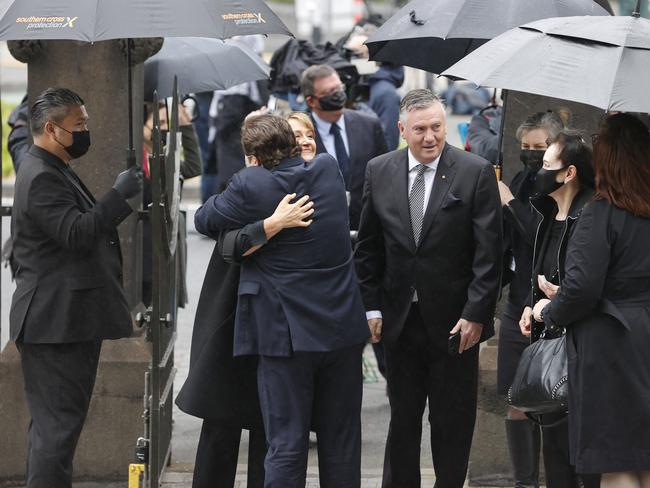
80	142
334	101
533	159
546	181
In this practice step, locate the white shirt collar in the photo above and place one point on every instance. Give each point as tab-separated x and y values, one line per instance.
324	126
414	163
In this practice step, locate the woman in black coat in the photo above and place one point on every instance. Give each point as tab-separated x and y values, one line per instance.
565	185
520	223
604	302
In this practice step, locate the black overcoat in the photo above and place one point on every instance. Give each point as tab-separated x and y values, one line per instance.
604	301
219	386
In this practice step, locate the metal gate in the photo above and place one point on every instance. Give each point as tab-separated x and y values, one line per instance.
154	448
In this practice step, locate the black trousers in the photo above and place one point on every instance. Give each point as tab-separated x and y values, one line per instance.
419	368
217	453
59	381
319	389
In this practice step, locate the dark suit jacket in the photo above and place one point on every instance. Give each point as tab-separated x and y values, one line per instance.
366	140
66	257
456	267
299	291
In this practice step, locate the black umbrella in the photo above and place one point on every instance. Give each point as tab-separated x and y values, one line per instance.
99	20
599	61
434	34
201	65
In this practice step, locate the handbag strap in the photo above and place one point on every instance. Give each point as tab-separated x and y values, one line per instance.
534	418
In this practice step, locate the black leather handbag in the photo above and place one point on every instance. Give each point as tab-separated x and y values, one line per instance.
541	385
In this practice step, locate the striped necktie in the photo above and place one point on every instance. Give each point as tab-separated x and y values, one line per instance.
416	203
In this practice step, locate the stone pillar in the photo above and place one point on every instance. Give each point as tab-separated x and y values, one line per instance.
98	72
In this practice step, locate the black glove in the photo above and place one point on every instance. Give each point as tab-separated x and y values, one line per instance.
129	182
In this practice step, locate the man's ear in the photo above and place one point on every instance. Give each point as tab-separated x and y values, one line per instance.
48	128
401	128
311	101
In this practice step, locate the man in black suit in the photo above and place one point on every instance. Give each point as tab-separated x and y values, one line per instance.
428	261
351	137
68	271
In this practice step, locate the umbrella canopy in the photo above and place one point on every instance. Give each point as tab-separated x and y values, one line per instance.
201	65
433	35
100	20
599	61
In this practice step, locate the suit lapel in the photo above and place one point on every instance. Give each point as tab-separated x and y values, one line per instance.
442	182
79	186
320	147
352	141
399	185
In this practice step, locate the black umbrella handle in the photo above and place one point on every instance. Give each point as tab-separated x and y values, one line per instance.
499	166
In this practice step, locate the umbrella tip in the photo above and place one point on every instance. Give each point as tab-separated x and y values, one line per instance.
637	10
414	18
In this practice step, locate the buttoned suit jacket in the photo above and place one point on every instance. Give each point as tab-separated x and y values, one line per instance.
298	292
456	266
66	257
366	140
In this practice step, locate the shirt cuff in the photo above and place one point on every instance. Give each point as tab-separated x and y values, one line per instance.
255	234
373	314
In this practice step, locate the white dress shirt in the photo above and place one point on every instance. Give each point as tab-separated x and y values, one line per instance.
429	176
324	127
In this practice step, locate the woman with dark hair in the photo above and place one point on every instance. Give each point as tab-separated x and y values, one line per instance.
564	185
519	227
604	302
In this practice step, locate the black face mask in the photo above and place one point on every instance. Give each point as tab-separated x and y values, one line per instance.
533	159
546	181
334	101
80	142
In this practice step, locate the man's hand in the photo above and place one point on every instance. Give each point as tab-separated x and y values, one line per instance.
375	330
505	193
470	333
537	309
184	118
129	182
526	321
548	288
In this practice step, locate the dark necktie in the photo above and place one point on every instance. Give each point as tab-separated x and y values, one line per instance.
341	154
416	202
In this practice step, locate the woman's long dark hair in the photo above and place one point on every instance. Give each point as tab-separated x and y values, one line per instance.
622	161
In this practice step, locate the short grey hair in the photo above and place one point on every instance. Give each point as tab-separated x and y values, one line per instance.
313	73
418	99
53	104
549	122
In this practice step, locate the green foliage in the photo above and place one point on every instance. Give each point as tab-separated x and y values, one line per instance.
7	167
